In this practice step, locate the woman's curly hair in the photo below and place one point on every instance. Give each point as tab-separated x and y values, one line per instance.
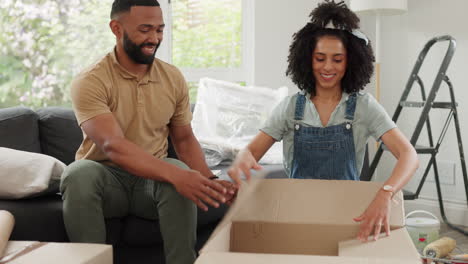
360	56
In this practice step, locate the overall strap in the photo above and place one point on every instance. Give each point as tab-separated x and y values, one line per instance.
300	105
351	106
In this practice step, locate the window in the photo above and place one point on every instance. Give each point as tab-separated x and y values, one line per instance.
206	33
210	38
45	43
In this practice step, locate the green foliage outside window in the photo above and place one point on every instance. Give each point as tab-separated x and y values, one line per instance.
207	34
45	43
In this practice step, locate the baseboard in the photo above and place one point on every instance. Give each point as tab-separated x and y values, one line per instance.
456	212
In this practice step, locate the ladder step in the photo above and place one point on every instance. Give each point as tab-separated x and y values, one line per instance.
419	149
425	149
408	195
446	105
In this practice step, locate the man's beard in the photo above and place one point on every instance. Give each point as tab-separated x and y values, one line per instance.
134	51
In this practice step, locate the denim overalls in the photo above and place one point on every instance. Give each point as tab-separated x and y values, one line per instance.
324	153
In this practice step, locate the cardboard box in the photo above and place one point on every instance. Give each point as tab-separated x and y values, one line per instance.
59	253
305	221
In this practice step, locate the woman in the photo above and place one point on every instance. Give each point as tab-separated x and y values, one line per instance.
325	127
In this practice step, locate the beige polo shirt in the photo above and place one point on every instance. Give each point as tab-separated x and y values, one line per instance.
143	108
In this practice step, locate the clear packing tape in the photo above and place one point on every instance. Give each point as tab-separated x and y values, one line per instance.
227	116
7	221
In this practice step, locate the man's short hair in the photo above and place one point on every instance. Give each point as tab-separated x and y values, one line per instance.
121	6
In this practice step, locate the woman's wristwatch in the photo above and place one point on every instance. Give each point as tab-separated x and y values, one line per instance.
388	188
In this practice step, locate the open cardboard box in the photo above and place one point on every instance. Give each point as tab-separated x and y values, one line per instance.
305	221
58	253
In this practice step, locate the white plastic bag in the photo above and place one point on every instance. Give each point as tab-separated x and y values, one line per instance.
227	116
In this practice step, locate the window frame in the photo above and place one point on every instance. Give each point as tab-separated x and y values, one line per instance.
244	73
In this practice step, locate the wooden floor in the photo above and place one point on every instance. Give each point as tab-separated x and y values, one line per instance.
462	240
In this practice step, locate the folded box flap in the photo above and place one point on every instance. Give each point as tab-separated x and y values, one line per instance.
396	246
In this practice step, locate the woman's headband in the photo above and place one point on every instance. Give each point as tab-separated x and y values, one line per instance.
355	32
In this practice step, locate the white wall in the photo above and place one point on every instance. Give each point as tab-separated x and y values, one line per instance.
402	39
275	23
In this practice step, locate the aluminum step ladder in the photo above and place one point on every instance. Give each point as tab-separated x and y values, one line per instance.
427	104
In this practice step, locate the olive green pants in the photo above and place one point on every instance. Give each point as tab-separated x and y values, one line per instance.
93	191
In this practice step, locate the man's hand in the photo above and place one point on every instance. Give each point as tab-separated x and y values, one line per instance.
231	192
376	217
199	189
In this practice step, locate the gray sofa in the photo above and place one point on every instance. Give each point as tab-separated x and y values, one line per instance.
54	131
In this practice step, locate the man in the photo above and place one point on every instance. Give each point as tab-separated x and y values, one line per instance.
127	104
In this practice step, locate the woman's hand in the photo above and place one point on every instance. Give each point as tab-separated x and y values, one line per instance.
242	164
375	217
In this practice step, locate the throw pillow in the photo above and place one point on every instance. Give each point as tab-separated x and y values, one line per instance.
26	174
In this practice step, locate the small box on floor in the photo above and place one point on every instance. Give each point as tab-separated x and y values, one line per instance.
30	252
305	221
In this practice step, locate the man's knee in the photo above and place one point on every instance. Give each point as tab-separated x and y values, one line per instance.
167	194
82	174
168	191
177	163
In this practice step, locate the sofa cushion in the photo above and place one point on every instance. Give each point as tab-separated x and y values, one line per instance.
41	219
59	133
142	232
19	129
37	219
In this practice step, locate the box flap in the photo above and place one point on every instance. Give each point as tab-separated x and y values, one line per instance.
249	258
309	201
398	245
219	242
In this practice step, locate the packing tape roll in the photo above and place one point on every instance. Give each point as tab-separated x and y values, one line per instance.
7	221
440	248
